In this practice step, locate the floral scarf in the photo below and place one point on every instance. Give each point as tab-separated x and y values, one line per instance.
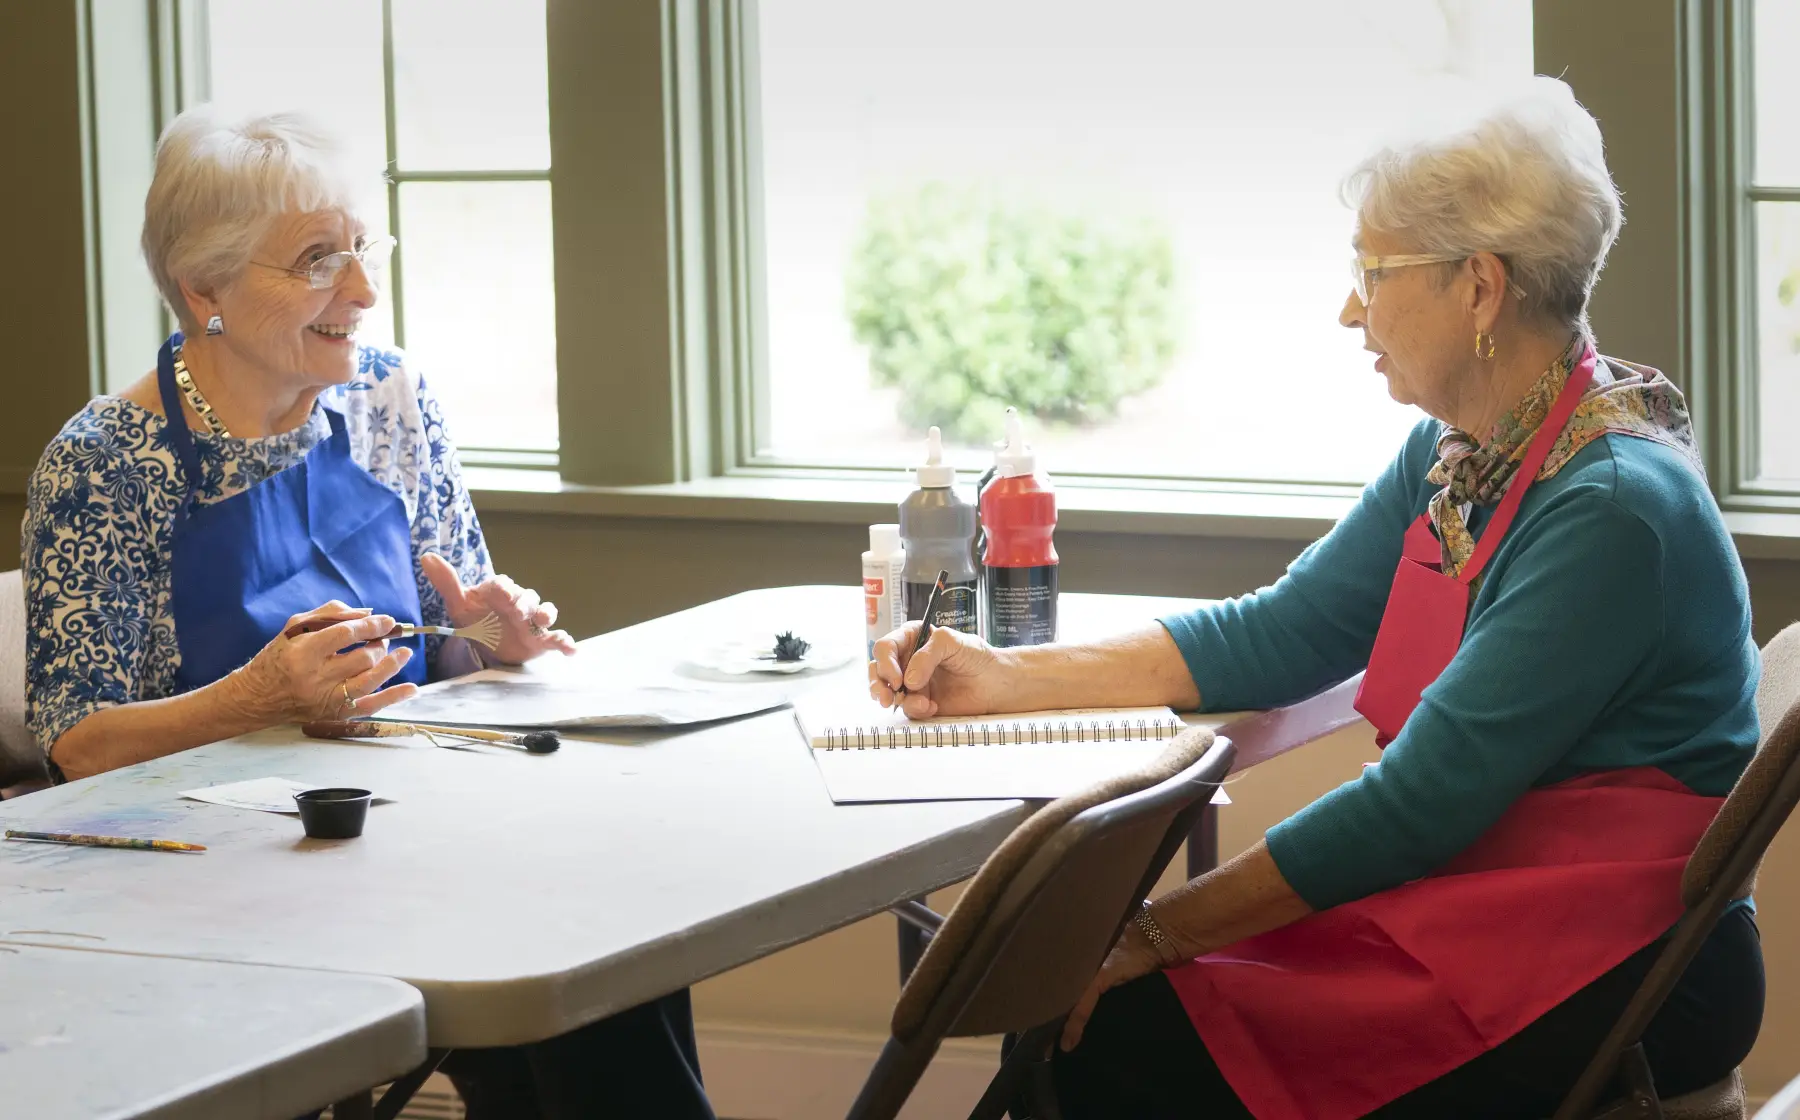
1630	399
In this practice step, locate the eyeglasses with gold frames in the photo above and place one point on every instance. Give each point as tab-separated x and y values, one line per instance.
328	270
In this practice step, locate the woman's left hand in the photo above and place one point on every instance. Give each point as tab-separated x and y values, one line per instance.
1131	958
525	619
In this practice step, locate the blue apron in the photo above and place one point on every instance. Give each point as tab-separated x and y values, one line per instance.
319	530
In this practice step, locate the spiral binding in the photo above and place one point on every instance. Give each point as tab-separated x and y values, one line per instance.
927	735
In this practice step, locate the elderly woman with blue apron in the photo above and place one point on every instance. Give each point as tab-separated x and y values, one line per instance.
229	542
1559	670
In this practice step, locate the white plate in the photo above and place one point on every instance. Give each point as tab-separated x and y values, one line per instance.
752	655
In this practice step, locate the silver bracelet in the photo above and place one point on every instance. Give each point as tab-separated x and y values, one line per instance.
1153	933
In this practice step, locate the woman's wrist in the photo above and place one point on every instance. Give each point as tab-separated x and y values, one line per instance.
1032	679
1156	940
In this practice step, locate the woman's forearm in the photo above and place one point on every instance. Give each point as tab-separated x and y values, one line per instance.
1240	899
126	733
1140	669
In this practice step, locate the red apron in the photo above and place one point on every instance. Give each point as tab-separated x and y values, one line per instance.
1349	1008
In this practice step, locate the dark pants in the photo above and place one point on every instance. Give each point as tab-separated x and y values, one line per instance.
640	1063
1140	1057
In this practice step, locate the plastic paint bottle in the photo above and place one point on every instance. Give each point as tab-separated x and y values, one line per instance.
884	605
1018	517
937	528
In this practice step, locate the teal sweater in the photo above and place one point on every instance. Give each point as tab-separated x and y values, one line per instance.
1611	629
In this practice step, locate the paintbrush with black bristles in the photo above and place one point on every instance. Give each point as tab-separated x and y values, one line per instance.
537	742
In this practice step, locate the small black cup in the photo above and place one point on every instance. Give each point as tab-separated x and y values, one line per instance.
333	814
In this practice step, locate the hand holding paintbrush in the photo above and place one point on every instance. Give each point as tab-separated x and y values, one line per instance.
925	623
511	622
930	670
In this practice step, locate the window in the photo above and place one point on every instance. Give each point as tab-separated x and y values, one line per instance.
1122	218
1773	198
450	97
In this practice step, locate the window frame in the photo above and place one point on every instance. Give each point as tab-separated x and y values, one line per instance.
662	370
1721	60
1706	79
178	50
397	178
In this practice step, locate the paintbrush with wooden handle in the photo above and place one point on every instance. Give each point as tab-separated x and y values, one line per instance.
537	742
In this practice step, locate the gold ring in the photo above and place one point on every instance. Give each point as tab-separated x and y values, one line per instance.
349	701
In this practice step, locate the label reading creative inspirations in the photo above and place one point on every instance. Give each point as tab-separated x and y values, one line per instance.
955	607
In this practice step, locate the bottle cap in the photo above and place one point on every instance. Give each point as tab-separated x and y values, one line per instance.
884	540
935	474
1014	457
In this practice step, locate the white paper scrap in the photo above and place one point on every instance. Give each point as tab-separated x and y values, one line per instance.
265	795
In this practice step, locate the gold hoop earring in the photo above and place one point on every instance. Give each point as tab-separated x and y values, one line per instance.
1484	346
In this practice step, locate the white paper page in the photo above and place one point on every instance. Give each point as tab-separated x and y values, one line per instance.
987	773
502	698
265	795
831	710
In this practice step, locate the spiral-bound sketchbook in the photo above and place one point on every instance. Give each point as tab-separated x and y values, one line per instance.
869	753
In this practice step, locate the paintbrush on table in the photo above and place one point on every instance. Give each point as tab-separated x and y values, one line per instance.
537	742
88	840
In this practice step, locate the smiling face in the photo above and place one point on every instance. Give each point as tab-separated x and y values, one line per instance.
276	321
1418	326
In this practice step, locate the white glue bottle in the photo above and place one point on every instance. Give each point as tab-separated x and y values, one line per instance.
884	603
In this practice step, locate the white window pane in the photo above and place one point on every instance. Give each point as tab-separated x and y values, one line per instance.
1778	337
1776	38
470	91
1221	130
481	307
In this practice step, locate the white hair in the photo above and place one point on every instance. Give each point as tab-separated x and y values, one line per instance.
217	187
1527	182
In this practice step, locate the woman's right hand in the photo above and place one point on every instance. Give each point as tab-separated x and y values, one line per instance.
306	677
956	674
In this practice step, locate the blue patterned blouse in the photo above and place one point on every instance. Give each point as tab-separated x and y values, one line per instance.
101	512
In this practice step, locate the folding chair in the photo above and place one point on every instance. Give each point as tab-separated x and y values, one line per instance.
22	768
1721	871
1030	931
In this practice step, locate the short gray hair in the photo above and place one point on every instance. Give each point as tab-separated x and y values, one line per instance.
1527	182
217	187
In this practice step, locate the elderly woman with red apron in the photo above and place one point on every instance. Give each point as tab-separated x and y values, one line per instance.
228	542
1560	672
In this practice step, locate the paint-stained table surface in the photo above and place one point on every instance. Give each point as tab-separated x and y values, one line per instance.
92	1035
523	895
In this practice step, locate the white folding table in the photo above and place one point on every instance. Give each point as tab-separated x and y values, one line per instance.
523	895
90	1035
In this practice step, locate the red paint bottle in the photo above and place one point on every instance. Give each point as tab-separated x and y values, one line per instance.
1018	516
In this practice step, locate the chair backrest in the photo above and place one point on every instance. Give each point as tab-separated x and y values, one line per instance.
1776	696
1723	866
21	759
1032	927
